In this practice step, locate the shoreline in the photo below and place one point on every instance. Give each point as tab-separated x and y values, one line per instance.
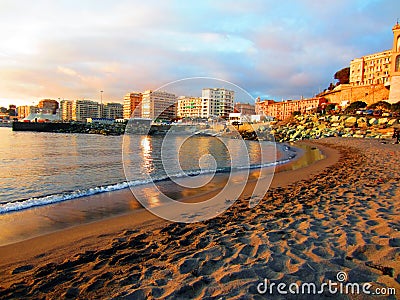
134	219
340	214
45	219
18	205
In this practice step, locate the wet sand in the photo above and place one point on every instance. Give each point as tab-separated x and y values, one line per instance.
339	214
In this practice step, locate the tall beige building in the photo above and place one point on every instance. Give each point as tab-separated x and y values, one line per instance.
394	94
66	110
371	69
132	105
83	109
189	107
113	110
217	102
26	110
158	105
376	71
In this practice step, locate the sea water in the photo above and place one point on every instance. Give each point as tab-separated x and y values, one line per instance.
45	168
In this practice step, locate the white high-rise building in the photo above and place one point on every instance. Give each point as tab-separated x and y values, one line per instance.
217	102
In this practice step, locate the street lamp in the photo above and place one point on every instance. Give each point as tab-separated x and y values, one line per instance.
101	104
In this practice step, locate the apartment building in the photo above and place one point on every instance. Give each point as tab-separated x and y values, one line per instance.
113	111
132	105
217	102
189	107
158	105
65	110
283	110
83	109
371	69
25	110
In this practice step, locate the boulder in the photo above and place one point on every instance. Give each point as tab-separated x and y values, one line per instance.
334	119
382	121
373	121
350	122
362	122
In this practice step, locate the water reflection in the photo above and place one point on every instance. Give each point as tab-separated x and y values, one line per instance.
146	154
308	156
40	220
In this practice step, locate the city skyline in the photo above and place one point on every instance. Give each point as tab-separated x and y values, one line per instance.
278	51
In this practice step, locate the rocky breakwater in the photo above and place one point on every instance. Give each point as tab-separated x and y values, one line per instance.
95	128
314	127
72	127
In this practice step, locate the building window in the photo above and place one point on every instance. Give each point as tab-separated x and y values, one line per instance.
398	44
397	65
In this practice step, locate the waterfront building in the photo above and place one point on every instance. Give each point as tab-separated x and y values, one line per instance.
26	110
158	105
394	94
12	110
379	71
283	110
245	108
132	105
371	69
113	111
48	106
83	109
65	110
189	107
260	104
217	102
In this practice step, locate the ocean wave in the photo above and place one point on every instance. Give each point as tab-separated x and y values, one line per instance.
70	195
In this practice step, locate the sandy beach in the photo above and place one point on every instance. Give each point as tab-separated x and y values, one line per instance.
340	214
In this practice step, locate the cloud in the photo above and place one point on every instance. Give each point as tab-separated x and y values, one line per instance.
73	49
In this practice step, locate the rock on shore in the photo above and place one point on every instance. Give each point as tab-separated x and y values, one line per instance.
314	127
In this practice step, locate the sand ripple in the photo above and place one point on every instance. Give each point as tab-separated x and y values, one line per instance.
346	218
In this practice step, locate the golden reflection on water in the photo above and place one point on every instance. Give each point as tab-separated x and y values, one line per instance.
146	154
309	156
152	195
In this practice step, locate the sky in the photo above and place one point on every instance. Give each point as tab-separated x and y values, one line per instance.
272	49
